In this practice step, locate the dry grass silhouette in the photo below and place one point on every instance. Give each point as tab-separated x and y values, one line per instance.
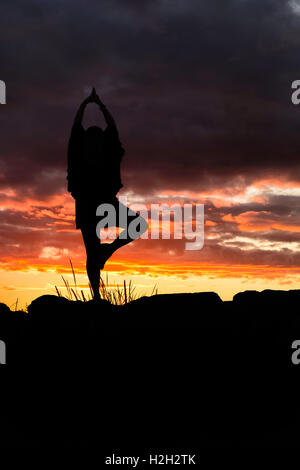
116	295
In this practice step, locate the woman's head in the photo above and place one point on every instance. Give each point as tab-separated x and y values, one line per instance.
94	134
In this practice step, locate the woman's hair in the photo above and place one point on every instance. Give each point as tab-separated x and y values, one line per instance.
94	132
93	141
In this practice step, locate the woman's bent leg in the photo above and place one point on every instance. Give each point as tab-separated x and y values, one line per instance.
139	223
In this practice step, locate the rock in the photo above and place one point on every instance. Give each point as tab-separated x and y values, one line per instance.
4	309
269	308
10	318
178	310
51	311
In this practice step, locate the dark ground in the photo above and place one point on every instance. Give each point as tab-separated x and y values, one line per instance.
176	373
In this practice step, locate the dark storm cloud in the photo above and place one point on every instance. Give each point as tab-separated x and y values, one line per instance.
200	90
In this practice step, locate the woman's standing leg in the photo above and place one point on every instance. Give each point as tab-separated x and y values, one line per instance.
93	265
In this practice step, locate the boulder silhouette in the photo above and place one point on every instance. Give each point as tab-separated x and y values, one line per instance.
5	316
4	309
11	318
50	310
269	308
175	310
53	312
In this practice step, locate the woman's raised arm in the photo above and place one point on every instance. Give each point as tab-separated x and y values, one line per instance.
80	112
107	116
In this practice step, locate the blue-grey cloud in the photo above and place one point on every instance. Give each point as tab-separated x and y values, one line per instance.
200	90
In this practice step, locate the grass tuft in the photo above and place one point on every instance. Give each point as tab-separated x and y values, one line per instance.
116	295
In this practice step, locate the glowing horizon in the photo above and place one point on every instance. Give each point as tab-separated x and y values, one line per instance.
244	249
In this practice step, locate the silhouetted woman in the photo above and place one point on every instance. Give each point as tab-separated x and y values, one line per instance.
94	158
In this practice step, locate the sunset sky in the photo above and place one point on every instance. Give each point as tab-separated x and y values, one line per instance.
201	92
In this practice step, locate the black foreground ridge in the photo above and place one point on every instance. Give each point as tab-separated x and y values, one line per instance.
162	371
